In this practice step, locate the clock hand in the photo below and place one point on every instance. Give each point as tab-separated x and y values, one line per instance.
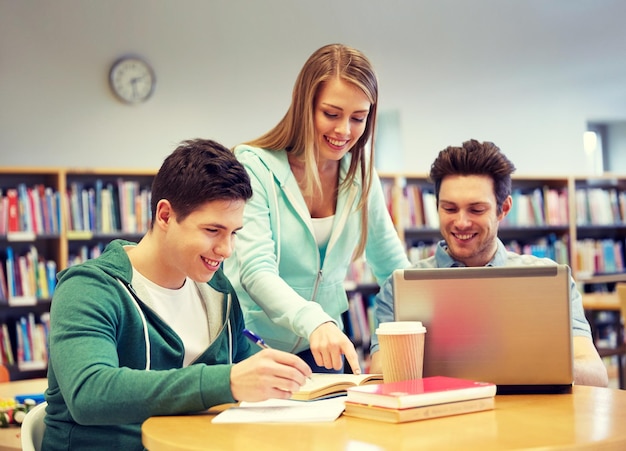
136	79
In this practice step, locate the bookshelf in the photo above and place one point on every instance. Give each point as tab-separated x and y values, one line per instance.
103	205
599	228
51	218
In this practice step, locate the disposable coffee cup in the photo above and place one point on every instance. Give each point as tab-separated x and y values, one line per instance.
401	349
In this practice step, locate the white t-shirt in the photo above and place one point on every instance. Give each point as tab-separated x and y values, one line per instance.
182	309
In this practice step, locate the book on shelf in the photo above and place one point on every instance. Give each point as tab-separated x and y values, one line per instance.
28	277
35	206
13	215
4	290
46	213
431	216
324	385
415	203
25	276
420	392
10	273
359	323
537	207
31	339
4	217
24	208
525	210
108	207
28	209
6	350
598	256
556	206
418	413
391	200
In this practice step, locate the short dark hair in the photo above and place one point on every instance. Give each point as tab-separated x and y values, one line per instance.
475	158
199	171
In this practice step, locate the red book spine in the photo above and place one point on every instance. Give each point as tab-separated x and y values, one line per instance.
14	212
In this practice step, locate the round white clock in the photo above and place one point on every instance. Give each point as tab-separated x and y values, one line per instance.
132	79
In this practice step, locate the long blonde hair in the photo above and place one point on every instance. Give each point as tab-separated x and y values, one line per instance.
295	133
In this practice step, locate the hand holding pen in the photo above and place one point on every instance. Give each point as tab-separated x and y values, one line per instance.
254	338
267	374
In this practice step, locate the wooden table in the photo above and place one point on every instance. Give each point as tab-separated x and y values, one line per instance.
10	437
588	418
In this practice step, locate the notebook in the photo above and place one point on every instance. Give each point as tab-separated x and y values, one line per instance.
506	325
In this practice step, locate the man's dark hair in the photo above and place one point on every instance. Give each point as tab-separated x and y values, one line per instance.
197	172
475	158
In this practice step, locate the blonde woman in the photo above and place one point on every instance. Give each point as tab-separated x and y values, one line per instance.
317	205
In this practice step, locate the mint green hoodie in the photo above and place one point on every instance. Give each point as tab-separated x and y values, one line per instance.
99	390
285	288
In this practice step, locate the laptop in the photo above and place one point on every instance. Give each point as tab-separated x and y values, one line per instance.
506	325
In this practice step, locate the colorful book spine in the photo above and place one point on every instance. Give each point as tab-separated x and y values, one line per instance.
25	211
51	272
98	211
24	340
85	209
7	350
10	267
58	205
43	290
4	292
35	206
46	214
13	211
4	202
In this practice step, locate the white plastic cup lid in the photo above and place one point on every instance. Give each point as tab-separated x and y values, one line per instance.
400	327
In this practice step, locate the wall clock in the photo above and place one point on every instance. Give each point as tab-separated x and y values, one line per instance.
132	79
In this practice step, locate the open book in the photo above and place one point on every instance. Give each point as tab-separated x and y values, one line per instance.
324	385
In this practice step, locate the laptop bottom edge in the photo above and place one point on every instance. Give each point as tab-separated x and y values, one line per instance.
534	389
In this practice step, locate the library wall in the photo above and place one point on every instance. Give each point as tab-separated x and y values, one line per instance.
213	82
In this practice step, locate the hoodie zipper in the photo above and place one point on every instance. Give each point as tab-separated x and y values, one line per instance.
318	281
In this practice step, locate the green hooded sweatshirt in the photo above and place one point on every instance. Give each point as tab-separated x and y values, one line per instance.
114	363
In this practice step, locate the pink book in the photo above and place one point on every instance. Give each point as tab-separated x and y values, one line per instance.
420	392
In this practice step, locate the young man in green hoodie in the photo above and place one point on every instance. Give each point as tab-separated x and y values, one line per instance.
155	328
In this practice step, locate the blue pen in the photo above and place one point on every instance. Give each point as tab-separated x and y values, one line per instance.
254	338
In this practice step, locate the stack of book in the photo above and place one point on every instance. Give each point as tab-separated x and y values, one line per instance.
419	399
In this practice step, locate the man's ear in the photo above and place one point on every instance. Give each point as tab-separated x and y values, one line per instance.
506	207
164	213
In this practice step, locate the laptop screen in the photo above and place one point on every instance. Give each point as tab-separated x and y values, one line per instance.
506	325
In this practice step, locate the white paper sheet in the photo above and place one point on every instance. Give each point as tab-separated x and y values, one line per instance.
283	411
